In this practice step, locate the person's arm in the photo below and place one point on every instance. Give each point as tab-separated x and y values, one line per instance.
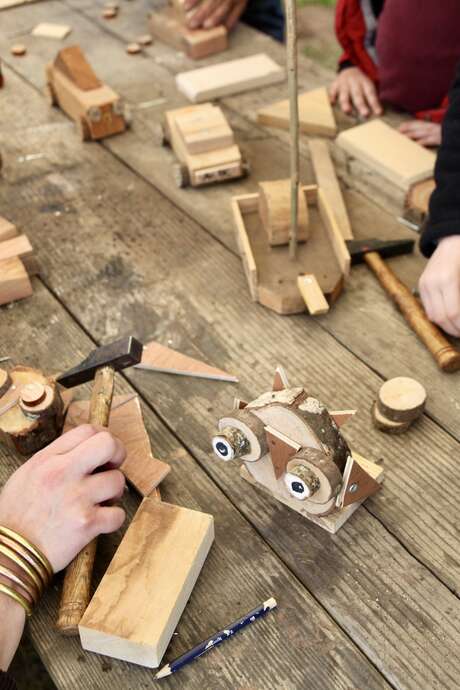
56	502
440	282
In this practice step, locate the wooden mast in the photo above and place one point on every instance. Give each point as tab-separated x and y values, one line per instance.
291	40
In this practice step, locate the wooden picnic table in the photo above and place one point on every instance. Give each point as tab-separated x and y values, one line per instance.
123	251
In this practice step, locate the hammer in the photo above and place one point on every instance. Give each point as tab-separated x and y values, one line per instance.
372	252
101	365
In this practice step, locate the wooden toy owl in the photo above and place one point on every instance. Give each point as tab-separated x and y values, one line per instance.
292	447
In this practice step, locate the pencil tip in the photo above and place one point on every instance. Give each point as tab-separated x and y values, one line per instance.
163	672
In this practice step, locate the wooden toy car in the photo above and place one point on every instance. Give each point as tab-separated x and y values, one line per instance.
293	449
72	85
203	142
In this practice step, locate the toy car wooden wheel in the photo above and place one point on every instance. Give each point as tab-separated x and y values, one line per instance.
83	129
181	175
50	95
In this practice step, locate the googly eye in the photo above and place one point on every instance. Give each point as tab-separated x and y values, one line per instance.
222	448
94	113
296	487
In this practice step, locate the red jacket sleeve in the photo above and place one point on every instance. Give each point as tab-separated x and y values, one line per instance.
435	114
350	29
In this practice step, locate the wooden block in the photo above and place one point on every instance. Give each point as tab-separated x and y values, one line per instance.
141	597
340	417
57	31
14	281
72	63
315	114
160	358
312	294
384	424
167	27
419	196
357	483
275	212
281	448
19	247
7	230
280	381
227	78
327	181
140	468
401	399
388	152
204	129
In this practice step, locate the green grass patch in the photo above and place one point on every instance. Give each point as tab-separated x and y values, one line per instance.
328	3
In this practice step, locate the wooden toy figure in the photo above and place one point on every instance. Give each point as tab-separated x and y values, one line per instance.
72	85
292	447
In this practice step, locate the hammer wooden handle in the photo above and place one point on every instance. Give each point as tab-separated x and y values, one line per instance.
76	591
446	356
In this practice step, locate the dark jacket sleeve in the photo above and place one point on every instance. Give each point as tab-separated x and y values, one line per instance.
444	216
6	682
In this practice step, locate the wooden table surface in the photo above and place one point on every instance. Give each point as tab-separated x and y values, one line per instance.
122	252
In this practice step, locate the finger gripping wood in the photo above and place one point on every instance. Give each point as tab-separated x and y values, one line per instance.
76	589
446	356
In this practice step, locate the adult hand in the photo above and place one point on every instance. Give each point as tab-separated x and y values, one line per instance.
56	501
207	14
439	285
353	89
424	133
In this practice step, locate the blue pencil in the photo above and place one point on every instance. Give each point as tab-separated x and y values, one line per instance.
216	639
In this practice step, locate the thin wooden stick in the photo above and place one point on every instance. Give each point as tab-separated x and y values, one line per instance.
291	41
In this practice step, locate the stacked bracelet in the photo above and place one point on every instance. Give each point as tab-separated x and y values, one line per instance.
30	570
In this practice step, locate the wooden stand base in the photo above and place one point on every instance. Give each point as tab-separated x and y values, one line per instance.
197	44
334	521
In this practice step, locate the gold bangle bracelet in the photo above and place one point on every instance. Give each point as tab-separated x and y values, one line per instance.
25	567
10	575
27	556
17	597
39	555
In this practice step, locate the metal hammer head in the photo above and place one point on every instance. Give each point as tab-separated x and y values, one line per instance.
386	249
119	355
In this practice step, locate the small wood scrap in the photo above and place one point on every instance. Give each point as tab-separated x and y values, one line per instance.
312	294
388	153
141	468
399	403
18	50
168	26
229	78
280	380
109	12
154	572
31	409
204	145
144	40
316	116
17	264
48	30
340	417
133	48
274	212
164	360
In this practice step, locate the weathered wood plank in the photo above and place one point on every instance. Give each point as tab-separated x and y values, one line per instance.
120	265
240	570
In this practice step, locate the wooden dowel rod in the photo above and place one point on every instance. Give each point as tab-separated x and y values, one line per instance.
291	41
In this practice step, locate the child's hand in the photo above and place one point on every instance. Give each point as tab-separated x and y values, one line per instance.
56	501
210	13
424	133
439	285
352	88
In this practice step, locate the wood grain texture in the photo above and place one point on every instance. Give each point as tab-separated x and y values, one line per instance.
275	208
73	64
157	357
140	468
312	294
196	43
315	114
14	281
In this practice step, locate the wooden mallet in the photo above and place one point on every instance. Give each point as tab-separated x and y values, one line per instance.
372	252
101	365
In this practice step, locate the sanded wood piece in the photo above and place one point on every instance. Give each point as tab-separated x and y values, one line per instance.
227	78
312	294
56	31
386	425
14	281
388	152
340	417
275	209
72	63
204	129
141	597
163	359
280	380
327	181
7	230
357	484
315	114
281	448
141	468
401	399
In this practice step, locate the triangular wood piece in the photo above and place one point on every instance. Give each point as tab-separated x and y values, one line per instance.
315	114
281	448
72	63
280	382
357	483
7	230
342	416
140	468
160	358
239	404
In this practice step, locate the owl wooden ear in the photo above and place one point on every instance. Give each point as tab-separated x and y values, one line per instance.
342	416
280	381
